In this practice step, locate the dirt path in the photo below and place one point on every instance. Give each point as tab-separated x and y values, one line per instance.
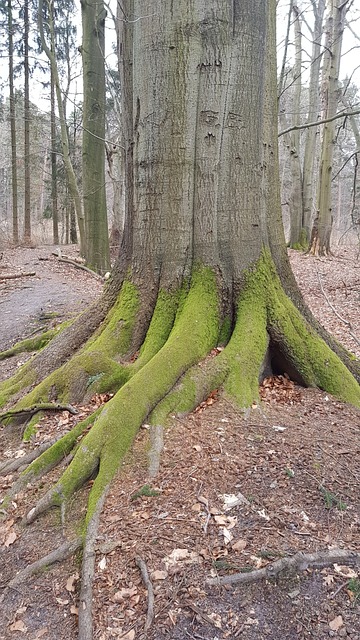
295	460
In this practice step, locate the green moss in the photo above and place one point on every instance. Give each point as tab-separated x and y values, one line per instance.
225	331
117	331
31	429
70	382
52	456
248	344
22	379
160	327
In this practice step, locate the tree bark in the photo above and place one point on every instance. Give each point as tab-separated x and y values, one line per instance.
27	201
321	230
313	113
93	146
14	182
296	196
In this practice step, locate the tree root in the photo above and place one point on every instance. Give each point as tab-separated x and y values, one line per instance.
291	564
53	455
24	414
33	343
150	593
58	555
87	574
9	466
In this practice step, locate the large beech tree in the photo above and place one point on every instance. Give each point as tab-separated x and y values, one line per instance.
203	258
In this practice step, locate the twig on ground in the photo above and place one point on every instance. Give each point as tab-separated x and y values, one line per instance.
12	276
79	266
61	553
299	562
148	584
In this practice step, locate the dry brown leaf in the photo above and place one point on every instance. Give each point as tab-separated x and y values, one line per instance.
41	633
18	626
121	595
130	635
336	623
159	575
74	610
239	545
329	580
70	584
10	539
345	571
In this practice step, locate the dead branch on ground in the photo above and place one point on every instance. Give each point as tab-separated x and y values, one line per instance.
292	564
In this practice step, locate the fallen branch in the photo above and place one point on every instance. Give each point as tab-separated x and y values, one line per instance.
29	412
12	276
58	555
148	584
299	562
80	266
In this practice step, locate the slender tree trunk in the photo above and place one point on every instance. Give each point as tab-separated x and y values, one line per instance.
54	195
313	113
72	181
14	182
93	146
27	202
296	209
321	231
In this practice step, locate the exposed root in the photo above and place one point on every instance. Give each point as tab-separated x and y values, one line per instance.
291	564
9	466
58	555
150	593
33	344
53	455
87	575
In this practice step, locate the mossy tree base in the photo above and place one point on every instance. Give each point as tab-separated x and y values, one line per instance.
172	372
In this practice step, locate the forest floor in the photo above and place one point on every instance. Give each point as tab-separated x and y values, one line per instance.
234	493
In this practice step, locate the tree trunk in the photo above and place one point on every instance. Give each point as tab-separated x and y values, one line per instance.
296	198
313	113
27	202
14	182
321	230
54	199
203	259
93	151
73	187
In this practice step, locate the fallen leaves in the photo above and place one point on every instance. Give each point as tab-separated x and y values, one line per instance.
336	623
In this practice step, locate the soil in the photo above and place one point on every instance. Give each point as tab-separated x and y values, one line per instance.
233	493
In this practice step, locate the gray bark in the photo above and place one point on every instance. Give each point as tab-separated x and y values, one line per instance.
199	168
93	147
321	231
313	112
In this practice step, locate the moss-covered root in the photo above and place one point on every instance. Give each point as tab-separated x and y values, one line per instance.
33	344
236	368
302	348
86	373
53	455
194	334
